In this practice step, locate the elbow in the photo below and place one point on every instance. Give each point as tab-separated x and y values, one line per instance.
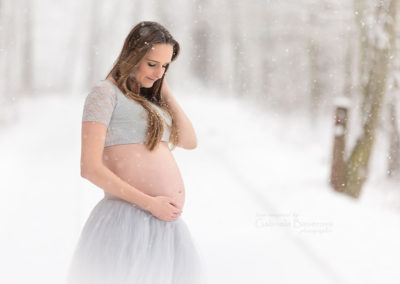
84	173
193	146
190	146
187	143
187	146
89	171
84	170
194	143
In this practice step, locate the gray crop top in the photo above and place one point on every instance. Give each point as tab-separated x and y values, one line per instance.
126	120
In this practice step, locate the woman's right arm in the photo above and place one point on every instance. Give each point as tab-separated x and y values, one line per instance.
93	169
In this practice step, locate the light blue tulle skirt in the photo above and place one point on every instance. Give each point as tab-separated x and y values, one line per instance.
120	243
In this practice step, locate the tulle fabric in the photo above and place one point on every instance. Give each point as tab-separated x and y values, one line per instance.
121	243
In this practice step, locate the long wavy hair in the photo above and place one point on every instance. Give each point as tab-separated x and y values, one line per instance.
139	41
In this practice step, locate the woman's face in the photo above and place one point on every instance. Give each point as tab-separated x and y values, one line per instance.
152	66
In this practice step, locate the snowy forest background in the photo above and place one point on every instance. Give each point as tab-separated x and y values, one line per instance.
298	101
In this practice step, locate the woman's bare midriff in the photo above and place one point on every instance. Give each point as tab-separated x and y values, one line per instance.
152	172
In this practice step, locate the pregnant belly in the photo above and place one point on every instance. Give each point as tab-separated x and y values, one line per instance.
152	172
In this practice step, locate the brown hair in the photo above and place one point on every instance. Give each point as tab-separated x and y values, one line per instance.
139	41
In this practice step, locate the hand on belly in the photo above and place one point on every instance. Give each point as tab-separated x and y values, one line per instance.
154	173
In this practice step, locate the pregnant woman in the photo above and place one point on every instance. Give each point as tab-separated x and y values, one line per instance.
135	233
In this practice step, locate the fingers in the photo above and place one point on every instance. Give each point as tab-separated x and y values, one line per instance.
171	216
171	210
175	216
176	210
172	202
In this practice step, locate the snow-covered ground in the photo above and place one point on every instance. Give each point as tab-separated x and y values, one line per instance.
258	203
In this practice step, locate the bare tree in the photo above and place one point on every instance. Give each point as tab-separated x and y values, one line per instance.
393	157
313	56
201	40
94	42
394	140
240	70
27	48
374	70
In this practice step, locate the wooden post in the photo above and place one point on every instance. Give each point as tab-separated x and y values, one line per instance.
337	179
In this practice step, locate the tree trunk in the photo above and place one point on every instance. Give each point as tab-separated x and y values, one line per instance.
394	148
314	85
240	72
201	37
94	42
373	93
27	48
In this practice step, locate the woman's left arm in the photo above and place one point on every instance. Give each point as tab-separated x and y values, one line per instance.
186	135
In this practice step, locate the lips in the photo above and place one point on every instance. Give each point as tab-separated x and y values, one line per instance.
151	79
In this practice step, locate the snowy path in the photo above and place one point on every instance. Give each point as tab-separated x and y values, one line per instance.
278	174
250	194
314	267
238	249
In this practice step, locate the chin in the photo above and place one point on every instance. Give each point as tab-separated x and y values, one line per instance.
148	86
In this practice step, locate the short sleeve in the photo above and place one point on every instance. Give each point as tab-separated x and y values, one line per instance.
99	104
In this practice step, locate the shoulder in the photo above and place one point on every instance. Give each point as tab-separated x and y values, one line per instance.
103	90
100	103
105	86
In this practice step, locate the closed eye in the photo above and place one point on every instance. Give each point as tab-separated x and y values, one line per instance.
154	65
